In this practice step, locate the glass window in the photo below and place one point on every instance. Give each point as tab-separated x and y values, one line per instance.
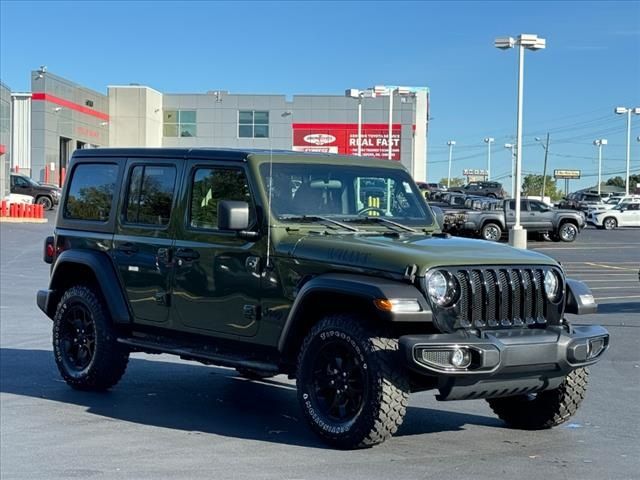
253	124
346	193
537	207
179	123
210	186
150	195
91	192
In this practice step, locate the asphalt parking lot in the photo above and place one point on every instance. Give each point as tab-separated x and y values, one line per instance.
174	419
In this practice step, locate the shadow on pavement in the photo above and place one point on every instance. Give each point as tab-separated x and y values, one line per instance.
628	307
197	399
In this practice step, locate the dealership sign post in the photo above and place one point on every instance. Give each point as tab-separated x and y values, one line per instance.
566	175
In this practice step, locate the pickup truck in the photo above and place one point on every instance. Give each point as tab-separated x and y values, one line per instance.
535	216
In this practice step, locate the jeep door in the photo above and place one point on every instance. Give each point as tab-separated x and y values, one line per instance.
217	280
143	241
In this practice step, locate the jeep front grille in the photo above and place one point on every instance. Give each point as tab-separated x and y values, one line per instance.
499	297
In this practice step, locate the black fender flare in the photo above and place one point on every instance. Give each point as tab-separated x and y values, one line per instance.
102	267
361	287
580	300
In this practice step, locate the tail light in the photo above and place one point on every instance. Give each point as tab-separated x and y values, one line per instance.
49	250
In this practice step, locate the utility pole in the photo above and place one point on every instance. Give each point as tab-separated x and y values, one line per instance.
544	169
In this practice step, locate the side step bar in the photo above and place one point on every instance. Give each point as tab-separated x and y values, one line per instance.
187	353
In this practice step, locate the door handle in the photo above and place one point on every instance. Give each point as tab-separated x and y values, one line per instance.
187	254
128	248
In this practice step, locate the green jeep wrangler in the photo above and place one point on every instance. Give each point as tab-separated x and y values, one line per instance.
329	269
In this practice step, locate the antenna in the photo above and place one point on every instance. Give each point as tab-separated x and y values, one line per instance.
268	265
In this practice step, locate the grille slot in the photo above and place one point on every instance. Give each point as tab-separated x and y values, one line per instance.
500	297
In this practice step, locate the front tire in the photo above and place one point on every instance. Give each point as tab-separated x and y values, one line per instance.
568	232
352	387
610	223
544	409
46	202
491	232
84	343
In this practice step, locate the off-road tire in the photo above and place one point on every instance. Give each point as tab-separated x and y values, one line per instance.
45	201
491	232
252	374
108	359
544	409
385	382
610	223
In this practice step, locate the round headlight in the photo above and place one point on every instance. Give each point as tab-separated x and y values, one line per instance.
551	285
442	288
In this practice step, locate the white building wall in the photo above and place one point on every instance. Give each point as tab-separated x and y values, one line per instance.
135	116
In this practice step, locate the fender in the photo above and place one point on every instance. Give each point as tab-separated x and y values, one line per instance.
102	267
360	287
579	298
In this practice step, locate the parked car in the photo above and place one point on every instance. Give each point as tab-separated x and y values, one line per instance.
535	216
45	195
485	189
187	252
614	202
623	215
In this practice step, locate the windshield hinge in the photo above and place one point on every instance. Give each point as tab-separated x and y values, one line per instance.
410	272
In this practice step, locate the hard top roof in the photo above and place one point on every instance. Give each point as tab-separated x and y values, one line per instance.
231	154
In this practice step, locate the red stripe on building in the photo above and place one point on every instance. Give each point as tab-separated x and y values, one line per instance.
3	149
372	126
70	105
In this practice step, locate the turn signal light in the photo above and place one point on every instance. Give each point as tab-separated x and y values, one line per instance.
398	305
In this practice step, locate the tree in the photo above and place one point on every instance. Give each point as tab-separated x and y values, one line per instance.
455	182
532	186
618	181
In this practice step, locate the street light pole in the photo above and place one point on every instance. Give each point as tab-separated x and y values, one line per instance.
544	168
510	146
489	141
628	111
518	235
599	143
451	143
360	124
391	92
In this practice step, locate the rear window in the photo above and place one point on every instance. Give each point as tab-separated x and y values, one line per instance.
90	192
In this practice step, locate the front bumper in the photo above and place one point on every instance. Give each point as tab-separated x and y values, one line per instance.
504	362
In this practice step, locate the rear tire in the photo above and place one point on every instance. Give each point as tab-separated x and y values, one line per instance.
491	232
544	409
84	342
352	386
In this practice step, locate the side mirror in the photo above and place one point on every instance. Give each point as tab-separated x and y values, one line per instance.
233	215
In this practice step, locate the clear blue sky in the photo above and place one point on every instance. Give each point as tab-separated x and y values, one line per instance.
591	64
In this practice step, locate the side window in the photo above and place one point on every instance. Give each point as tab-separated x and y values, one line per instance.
150	194
210	186
91	192
512	204
536	206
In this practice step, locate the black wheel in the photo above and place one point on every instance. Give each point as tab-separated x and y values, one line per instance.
491	195
544	409
84	343
252	374
46	202
610	223
491	232
568	232
352	387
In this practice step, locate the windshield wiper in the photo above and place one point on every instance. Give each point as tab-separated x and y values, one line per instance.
318	218
389	222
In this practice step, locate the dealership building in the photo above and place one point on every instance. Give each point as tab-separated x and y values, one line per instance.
58	116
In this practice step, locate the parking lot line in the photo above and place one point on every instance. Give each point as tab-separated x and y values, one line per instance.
603	265
607	288
610	247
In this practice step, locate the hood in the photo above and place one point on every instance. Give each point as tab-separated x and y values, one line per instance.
393	254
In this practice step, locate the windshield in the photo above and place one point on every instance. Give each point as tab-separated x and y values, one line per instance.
344	193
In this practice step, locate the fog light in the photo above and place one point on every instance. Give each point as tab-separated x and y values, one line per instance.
596	347
460	358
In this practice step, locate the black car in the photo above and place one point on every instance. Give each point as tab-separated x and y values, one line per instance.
46	195
483	189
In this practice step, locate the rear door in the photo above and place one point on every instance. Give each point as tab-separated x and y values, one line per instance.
144	236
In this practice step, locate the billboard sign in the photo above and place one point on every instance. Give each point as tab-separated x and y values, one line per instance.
474	171
342	138
566	174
